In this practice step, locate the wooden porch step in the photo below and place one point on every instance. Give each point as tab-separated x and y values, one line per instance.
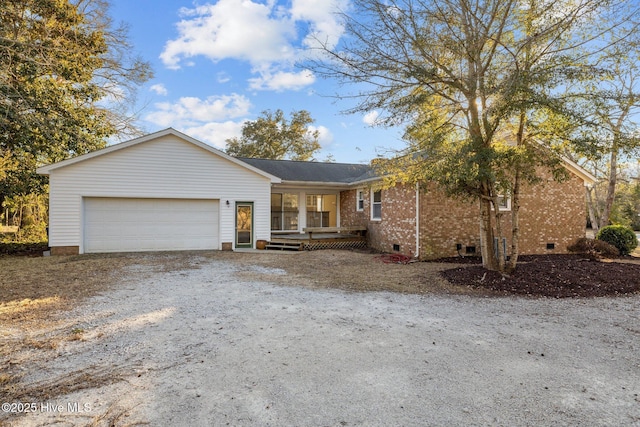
285	246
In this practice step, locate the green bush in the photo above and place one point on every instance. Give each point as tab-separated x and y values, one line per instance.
619	236
593	249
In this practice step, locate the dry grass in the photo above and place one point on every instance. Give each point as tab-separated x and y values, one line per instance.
115	416
34	290
357	271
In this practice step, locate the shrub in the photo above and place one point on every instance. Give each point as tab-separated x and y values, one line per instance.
593	249
619	236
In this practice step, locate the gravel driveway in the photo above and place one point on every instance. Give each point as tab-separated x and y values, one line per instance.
206	346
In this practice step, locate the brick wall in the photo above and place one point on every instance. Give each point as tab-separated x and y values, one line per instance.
550	213
65	250
349	216
445	222
397	225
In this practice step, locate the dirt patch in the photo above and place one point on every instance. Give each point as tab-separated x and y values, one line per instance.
557	276
74	277
353	270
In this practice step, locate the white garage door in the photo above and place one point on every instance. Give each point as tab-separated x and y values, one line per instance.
123	225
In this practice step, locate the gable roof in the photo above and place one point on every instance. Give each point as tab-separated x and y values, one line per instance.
45	170
586	176
314	172
338	174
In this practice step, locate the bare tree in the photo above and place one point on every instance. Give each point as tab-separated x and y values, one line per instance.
471	78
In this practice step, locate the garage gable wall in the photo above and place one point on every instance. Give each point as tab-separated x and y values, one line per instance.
165	167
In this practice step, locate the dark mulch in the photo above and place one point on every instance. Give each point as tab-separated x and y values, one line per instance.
557	276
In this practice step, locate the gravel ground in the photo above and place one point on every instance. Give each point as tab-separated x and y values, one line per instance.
209	346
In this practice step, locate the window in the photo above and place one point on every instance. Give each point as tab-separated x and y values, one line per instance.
322	210
504	198
504	202
284	211
360	200
376	204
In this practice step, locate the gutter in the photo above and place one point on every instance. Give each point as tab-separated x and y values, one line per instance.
314	184
339	184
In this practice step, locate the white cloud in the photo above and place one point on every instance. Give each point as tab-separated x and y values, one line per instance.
215	134
269	36
192	111
235	29
325	136
324	23
159	89
371	118
282	80
223	77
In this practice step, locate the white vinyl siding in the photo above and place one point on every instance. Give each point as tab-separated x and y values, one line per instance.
166	167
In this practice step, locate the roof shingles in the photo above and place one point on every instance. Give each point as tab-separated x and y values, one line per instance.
290	170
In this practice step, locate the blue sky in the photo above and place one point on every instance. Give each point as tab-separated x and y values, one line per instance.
220	63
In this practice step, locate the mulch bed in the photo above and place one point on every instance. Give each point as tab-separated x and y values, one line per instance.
557	276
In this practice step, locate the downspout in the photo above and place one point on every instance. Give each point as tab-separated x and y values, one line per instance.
417	253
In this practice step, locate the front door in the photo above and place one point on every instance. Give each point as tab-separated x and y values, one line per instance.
244	225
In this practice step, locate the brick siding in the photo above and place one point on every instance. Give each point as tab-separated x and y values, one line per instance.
550	213
65	250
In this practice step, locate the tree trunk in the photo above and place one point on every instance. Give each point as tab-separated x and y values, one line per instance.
489	260
499	249
611	188
515	224
595	226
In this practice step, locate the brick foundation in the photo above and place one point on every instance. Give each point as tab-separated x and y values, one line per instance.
65	250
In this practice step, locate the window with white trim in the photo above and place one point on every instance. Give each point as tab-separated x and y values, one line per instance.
376	205
360	200
504	202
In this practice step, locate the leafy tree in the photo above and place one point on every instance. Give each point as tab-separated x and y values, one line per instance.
476	81
610	132
59	64
30	212
272	136
626	206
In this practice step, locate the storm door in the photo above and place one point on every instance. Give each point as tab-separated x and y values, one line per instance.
244	225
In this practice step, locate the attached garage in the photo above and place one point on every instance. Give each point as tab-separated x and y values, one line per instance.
163	191
131	225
